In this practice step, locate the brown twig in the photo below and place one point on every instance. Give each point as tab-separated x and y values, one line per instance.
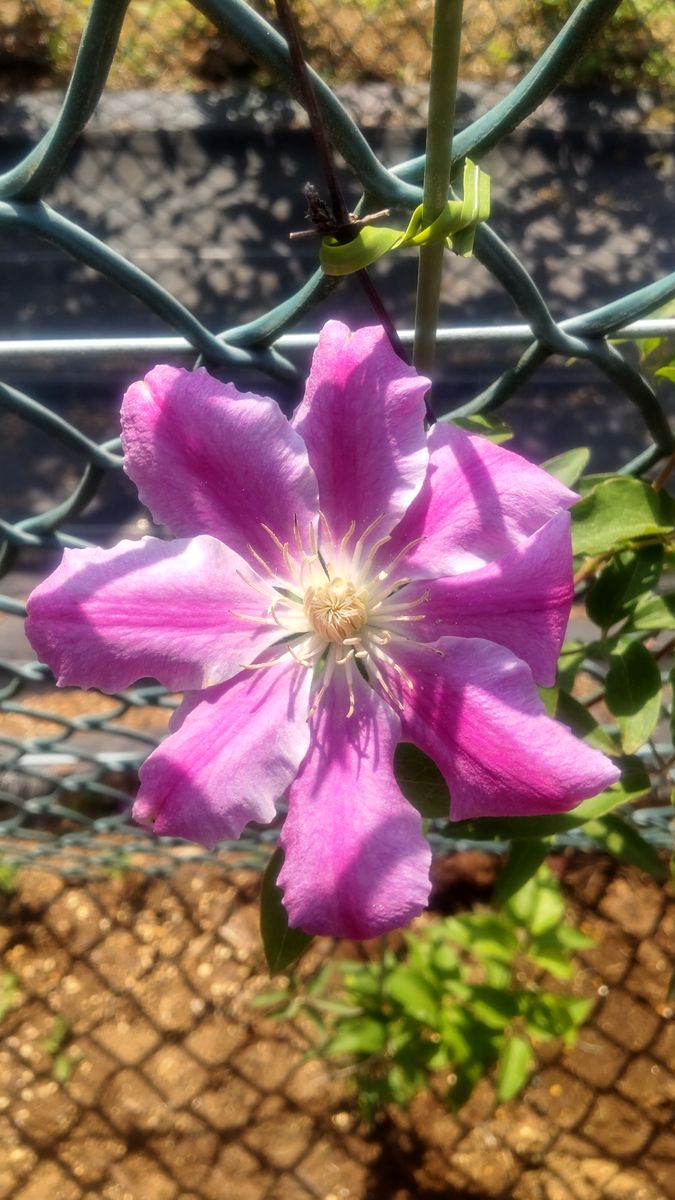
344	226
354	223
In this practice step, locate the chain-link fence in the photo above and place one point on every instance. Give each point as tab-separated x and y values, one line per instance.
68	760
135	1065
355	40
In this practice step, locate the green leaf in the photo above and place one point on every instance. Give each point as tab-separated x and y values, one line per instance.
548	1015
550	697
547	905
666	373
58	1035
618	511
489	937
554	959
421	781
283	946
525	859
445	959
633	694
64	1065
9	992
573	939
634	782
655	612
361	1036
569	466
270	999
622	583
623	841
488	427
8	874
571	657
493	1006
497	974
580	721
515	1064
588	483
413	993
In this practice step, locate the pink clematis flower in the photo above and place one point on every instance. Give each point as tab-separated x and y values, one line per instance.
339	583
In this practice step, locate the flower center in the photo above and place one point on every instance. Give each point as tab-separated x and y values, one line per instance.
328	622
336	610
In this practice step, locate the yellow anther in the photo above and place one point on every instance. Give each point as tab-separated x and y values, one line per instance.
336	610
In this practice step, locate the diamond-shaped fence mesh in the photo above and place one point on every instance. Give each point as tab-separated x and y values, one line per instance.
355	40
134	1064
68	760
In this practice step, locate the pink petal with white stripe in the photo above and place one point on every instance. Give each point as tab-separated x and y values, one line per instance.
474	709
478	502
232	753
362	420
355	861
522	601
105	618
207	458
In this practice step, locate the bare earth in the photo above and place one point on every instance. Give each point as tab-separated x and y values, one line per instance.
173	1088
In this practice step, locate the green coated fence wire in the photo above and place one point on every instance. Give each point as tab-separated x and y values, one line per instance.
67	769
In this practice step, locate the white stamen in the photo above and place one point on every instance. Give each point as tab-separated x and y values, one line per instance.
262	562
346	536
350	686
336	609
256	586
361	541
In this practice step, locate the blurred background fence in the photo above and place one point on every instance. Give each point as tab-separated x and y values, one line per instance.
352	41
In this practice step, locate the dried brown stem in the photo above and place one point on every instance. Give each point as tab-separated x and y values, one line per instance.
343	224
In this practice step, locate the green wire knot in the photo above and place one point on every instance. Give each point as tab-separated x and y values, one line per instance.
456	226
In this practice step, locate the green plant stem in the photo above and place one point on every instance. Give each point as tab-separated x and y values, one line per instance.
440	126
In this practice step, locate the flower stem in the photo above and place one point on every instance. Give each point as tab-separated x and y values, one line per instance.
440	126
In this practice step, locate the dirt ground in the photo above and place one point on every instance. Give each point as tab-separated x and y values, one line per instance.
133	1067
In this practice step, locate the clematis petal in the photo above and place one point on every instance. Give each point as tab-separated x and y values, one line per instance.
105	618
207	458
362	419
478	502
522	601
476	712
232	753
356	863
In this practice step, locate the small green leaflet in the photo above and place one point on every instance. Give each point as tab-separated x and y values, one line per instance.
525	859
617	512
633	694
623	841
655	612
456	227
622	584
421	781
487	427
515	1064
408	987
579	720
283	945
567	467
